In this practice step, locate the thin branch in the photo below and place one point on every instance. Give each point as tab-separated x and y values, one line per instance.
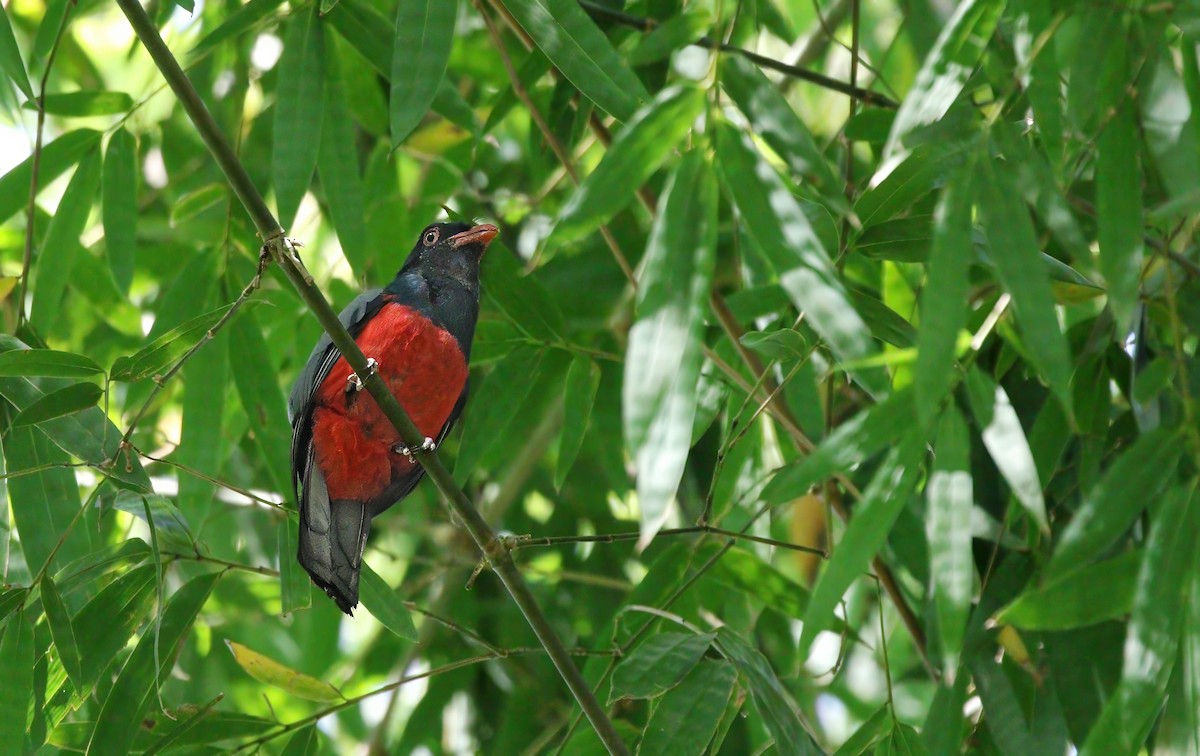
523	542
646	25
283	251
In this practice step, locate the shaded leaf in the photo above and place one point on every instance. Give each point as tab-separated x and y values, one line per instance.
57	157
119	209
337	163
424	32
579	395
771	700
687	716
64	401
295	586
677	31
571	41
84	103
10	59
61	630
1084	597
165	351
197	201
57	253
47	362
385	604
271	672
299	101
658	664
16	669
241	20
104	625
44	500
782	344
1119	213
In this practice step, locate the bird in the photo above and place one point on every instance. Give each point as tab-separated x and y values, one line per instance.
348	462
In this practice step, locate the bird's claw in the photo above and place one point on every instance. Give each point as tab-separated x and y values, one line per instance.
354	382
411	454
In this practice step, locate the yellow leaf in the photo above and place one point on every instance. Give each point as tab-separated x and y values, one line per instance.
267	670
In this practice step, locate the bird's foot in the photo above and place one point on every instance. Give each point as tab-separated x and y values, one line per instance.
354	382
411	454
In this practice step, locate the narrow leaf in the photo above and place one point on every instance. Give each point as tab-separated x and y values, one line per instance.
1006	443
337	163
257	381
166	350
10	61
1084	597
58	249
943	300
948	528
1119	213
653	133
84	103
47	362
385	604
1014	250
120	213
424	33
240	21
1112	505
946	69
65	401
16	669
56	158
571	40
658	664
267	670
61	631
44	497
687	716
198	200
665	352
775	222
299	100
579	395
147	668
104	625
677	31
295	587
873	517
771	700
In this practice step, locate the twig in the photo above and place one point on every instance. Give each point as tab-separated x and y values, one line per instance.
523	542
282	250
646	25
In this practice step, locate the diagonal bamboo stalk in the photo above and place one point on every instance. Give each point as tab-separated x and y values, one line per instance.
283	252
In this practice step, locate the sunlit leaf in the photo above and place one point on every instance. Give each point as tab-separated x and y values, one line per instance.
166	350
424	32
271	672
47	362
64	401
10	58
672	34
337	163
120	213
57	253
16	667
948	528
385	605
84	103
57	157
298	112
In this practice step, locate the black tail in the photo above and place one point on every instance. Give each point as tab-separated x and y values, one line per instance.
332	538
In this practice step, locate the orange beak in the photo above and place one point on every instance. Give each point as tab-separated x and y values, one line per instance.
481	235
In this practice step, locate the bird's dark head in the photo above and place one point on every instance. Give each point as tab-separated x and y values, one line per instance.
450	250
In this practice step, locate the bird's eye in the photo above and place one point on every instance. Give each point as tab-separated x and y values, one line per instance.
430	238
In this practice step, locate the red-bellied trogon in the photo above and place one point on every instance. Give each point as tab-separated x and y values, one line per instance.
348	462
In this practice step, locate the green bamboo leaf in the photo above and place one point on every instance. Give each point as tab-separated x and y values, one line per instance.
337	164
385	604
57	157
48	30
16	669
120	213
521	298
11	600
896	188
47	362
169	522
747	572
267	670
943	300
901	239
665	352
57	253
780	344
424	34
883	322
854	441
867	734
237	23
166	350
295	587
202	443
1006	443
677	31
658	664
868	530
948	528
44	500
771	699
687	716
579	395
651	134
147	668
306	742
773	118
1102	592
257	381
1119	213
192	203
945	70
59	619
104	625
571	40
1003	711
84	103
1181	717
1133	480
494	405
96	564
299	101
783	236
1152	640
1014	250
10	60
64	401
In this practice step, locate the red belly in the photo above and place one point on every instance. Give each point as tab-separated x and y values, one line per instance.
425	369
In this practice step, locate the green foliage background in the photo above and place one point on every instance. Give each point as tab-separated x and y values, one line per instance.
945	338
